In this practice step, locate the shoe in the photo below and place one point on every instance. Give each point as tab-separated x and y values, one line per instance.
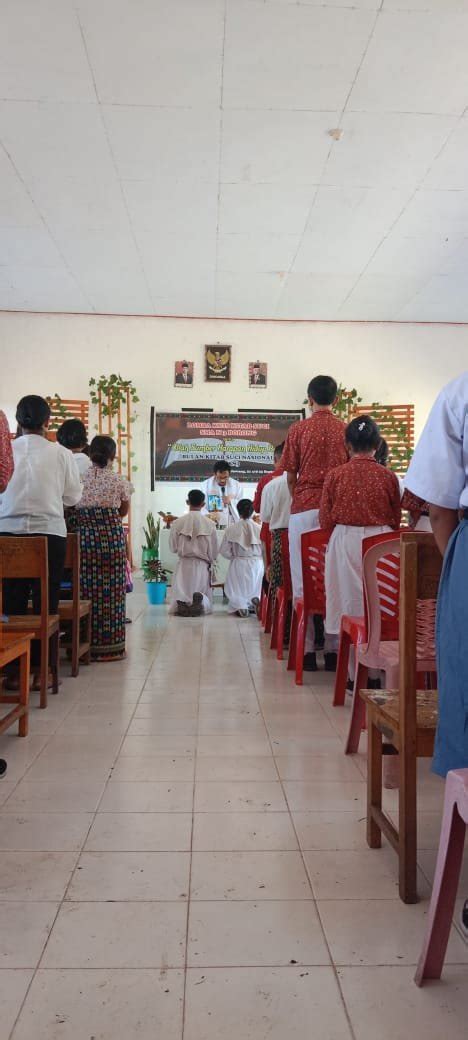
310	662
330	662
197	608
242	613
464	921
3	767
319	629
374	684
183	609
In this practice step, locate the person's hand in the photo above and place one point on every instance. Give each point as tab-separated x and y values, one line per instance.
214	516
228	499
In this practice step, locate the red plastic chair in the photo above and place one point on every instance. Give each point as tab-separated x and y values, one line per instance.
282	600
354	630
313	547
447	876
381	650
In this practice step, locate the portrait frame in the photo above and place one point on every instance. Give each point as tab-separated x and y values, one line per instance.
258	375
183	374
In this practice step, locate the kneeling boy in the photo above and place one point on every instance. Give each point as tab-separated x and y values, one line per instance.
193	538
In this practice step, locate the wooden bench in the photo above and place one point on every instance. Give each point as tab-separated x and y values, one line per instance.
27	558
72	611
16	648
406	718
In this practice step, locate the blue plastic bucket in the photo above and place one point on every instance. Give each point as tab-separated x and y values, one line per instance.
156	592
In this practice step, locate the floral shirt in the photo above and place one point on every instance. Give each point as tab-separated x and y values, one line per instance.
6	453
360	494
104	488
313	447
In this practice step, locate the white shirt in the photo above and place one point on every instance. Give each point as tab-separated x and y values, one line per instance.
229	515
45	479
438	471
82	461
275	507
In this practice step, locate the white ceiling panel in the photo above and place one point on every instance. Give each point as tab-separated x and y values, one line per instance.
169	206
155	52
49	139
42	57
157	142
416	62
387	150
245	158
275	147
292	56
259	252
264	208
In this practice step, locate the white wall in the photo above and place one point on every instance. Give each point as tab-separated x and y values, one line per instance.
392	363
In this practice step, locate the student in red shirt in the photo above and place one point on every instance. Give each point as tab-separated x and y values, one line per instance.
313	447
359	499
6	453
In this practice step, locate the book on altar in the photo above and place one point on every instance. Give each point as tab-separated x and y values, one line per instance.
214	504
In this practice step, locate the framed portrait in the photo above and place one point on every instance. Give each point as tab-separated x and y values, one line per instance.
218	364
258	374
183	373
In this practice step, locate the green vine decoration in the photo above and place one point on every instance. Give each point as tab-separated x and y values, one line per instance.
58	410
112	391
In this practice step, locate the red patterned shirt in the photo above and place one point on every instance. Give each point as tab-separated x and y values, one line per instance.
313	447
361	494
416	506
6	453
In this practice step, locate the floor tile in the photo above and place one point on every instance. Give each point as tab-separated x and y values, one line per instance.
24	932
149	767
307	767
118	935
244	831
140	832
35	875
44	832
6	789
13	989
369	874
233	796
271	933
264	1004
50	797
158	744
330	830
118	1003
236	768
149	796
234	744
384	1002
131	876
249	875
314	795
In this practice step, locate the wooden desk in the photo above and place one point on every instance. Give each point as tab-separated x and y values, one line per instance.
16	646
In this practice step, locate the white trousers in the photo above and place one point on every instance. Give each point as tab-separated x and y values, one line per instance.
298	524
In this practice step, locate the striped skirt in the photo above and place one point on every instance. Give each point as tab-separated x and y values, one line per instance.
103	560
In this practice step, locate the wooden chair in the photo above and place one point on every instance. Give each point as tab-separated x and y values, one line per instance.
27	558
407	718
72	611
313	548
16	648
447	876
283	600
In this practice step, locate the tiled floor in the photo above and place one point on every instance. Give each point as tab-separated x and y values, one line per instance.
182	855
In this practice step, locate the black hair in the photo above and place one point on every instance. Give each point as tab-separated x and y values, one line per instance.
102	450
245	508
72	434
278	451
382	454
363	434
323	390
32	412
221	466
196	498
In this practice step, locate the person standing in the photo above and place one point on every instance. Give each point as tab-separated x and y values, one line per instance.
313	447
226	490
72	435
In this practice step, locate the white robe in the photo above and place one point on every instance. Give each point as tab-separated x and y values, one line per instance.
241	545
229	515
193	538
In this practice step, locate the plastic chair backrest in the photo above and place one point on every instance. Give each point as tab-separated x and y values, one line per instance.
313	549
381	582
26	558
286	567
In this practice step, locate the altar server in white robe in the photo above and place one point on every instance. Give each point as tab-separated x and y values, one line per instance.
193	537
228	492
242	546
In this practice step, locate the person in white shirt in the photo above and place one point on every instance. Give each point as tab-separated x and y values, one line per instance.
45	479
275	510
438	474
193	537
243	547
227	491
72	435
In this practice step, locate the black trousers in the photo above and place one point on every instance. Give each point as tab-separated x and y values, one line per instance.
17	591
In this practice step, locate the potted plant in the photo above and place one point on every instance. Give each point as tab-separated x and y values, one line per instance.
150	551
155	576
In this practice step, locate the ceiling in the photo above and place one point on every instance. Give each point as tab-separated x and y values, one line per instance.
175	157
